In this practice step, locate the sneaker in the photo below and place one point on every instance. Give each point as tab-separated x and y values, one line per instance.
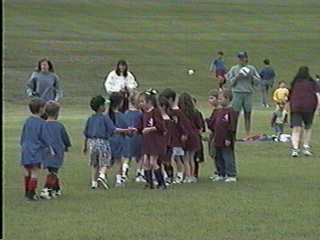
188	180
194	179
32	198
103	182
45	193
147	186
295	153
177	180
267	105
213	176
125	179
161	187
120	184
230	179
94	185
140	179
307	151
168	181
56	194
218	179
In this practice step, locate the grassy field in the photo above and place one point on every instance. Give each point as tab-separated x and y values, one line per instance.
277	196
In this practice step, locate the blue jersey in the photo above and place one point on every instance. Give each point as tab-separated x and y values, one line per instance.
99	126
132	146
267	73
60	141
219	65
34	139
117	140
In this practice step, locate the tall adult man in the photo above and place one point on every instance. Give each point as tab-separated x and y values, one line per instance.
242	78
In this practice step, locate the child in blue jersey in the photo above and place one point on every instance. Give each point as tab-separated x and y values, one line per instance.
117	141
220	68
34	139
279	118
132	146
99	127
61	143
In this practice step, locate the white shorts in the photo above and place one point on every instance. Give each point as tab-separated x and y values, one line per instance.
177	151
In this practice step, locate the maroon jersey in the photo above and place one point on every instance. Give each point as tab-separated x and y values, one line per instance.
193	142
303	96
180	127
210	119
153	143
224	124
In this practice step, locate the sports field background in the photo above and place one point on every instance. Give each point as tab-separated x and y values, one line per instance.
277	196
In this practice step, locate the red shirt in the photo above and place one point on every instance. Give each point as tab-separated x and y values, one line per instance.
303	96
224	124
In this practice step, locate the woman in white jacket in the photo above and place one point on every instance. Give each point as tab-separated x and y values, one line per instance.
121	80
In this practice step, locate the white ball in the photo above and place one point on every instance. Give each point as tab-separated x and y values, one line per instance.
245	71
191	72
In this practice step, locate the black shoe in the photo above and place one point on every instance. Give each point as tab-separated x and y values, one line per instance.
147	186
161	187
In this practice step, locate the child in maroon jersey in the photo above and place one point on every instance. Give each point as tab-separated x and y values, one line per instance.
224	125
213	101
152	127
192	144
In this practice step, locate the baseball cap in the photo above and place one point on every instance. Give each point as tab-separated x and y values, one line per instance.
242	54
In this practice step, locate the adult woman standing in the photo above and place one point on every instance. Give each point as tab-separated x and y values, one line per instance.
44	83
121	80
304	100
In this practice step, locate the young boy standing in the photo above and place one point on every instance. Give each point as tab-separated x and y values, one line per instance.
219	68
279	118
213	101
97	132
61	143
224	125
34	139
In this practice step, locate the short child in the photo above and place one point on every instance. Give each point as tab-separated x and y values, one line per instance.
279	118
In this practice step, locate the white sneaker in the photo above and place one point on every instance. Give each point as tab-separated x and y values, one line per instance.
45	193
125	179
218	179
194	179
140	179
307	151
187	180
230	179
177	180
103	182
56	194
94	184
120	184
295	153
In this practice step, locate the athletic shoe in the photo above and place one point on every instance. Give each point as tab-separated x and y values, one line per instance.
45	193
161	187
147	186
177	180
103	182
230	179
295	153
32	198
267	105
213	176
56	194
140	179
168	181
307	151
188	180
120	184
194	179
125	179
94	185
218	179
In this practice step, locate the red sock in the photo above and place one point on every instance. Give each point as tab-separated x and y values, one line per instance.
33	183
56	184
50	181
26	183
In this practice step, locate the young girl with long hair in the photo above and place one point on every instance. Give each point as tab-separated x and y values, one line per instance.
192	144
152	127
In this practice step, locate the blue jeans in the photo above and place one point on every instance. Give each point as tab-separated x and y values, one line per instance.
225	162
265	85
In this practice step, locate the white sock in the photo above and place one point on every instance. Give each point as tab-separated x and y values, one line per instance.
102	175
125	166
180	175
118	178
94	183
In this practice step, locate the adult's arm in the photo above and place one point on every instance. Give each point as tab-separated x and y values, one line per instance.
255	75
131	83
57	89
32	86
110	83
232	77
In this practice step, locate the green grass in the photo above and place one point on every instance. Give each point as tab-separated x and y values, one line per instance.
276	197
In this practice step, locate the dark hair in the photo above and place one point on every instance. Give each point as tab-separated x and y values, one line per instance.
96	102
51	69
35	105
281	102
227	94
266	62
302	74
220	53
52	108
164	102
151	96
169	94
116	101
214	93
186	104
124	63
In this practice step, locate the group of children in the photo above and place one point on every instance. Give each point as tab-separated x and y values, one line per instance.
155	132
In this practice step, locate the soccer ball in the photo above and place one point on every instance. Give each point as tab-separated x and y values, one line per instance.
245	71
191	72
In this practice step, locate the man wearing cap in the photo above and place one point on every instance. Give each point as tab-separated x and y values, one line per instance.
242	86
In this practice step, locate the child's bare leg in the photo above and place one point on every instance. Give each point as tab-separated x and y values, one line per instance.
157	171
180	168
190	156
